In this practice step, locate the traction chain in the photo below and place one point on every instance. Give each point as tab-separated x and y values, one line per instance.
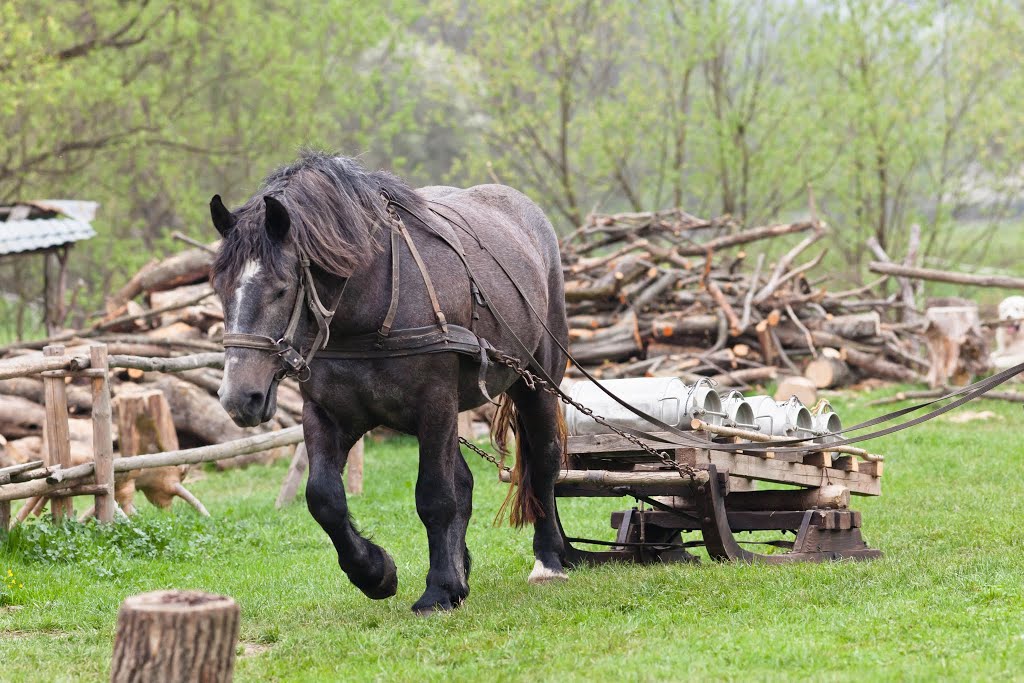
533	382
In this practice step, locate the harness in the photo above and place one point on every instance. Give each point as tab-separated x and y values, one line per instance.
386	342
445	337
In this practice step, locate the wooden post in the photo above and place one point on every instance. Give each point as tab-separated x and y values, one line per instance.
5	515
102	441
355	468
167	636
58	438
296	470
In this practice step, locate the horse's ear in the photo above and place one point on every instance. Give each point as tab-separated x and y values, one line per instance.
278	221
222	218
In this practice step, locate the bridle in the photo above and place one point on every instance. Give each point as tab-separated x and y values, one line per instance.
293	363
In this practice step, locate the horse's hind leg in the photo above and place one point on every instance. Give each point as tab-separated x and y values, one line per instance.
368	567
444	501
540	448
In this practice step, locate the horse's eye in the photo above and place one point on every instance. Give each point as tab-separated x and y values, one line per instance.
280	293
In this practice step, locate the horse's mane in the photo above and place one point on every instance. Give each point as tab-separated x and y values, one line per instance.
335	209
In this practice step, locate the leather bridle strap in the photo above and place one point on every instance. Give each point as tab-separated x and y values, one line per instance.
292	361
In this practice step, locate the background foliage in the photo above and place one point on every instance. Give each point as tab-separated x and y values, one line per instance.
894	112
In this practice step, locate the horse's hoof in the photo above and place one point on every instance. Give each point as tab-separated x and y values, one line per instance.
542	574
387	586
433	610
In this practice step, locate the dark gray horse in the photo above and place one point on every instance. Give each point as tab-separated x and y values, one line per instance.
332	211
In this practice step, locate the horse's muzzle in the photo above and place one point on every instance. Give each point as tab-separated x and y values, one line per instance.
250	408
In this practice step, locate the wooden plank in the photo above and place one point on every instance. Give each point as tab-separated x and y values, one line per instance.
795	473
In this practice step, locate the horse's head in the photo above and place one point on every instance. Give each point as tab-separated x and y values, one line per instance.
257	278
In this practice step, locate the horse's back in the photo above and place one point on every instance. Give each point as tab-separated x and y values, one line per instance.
517	234
521	217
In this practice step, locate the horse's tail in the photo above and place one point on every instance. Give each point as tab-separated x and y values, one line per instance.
523	505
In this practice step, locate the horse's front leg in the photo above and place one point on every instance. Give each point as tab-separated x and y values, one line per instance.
368	567
444	501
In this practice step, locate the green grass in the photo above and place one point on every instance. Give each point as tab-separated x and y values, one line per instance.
944	603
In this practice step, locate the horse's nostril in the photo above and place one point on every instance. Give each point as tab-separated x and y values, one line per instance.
255	399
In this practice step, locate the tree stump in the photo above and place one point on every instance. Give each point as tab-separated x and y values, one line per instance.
171	636
145	425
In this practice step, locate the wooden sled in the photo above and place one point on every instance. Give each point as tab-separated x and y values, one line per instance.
720	505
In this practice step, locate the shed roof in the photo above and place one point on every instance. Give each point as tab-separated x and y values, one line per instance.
44	224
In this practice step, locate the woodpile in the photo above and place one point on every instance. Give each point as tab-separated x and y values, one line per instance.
669	294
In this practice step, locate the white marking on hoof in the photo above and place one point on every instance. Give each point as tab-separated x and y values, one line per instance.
542	574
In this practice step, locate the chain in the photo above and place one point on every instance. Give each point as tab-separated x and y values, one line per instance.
483	454
533	381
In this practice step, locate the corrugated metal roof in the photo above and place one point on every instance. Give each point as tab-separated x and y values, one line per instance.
31	234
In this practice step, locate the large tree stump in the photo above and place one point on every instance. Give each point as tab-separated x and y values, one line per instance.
146	426
954	337
172	636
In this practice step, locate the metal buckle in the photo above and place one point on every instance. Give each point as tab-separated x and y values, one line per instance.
289	356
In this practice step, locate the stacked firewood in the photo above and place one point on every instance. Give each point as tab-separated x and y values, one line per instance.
670	294
165	318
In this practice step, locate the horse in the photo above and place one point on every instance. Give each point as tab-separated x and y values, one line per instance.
324	228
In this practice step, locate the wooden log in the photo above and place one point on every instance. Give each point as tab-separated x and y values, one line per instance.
58	439
8	473
854	325
828	371
31	388
20	417
171	636
680	328
746	376
876	366
723	304
801	387
618	342
1000	281
83	474
5	515
102	439
25	366
829	496
612	478
213	359
745	237
185	267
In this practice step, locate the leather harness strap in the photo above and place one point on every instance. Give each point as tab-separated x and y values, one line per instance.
396	272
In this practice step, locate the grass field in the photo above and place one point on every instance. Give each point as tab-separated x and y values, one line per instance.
945	603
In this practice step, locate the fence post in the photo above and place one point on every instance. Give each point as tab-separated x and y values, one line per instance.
58	439
102	441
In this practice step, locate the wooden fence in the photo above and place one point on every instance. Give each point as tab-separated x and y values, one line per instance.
55	478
